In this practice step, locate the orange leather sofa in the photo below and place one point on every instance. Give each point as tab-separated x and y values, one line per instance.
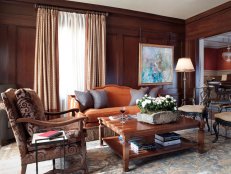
118	96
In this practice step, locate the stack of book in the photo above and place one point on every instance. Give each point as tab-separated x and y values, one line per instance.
132	139
139	145
167	139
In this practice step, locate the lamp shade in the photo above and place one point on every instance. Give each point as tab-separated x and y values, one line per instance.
184	64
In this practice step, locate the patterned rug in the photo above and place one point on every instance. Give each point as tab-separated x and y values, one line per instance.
216	159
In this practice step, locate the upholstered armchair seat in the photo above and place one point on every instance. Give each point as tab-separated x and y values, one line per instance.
27	116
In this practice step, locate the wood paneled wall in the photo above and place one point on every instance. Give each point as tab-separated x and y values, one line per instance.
125	30
209	23
17	43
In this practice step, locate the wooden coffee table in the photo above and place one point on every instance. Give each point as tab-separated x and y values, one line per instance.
133	128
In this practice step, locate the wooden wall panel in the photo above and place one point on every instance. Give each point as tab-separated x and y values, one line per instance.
125	29
17	28
7	54
112	62
3	54
131	61
209	23
25	56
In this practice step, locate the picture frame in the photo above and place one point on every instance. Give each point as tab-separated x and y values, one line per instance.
155	64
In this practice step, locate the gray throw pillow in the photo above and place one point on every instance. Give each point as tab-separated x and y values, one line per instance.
137	94
85	99
100	98
154	91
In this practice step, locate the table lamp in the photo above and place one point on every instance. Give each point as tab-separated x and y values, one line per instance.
184	65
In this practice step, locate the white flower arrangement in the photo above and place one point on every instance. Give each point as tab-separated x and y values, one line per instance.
149	104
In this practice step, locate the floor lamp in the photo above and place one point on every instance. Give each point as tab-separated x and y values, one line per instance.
184	65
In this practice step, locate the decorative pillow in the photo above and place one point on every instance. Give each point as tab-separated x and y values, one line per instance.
100	98
39	109
85	99
28	108
154	91
137	94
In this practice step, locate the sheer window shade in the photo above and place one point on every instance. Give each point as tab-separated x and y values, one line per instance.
71	34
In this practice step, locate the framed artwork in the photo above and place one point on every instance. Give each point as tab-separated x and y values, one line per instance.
155	64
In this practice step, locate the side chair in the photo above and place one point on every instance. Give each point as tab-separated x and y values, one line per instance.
193	110
222	118
26	114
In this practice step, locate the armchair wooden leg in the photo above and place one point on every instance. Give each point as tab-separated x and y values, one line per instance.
215	130
85	167
207	122
23	168
53	163
84	155
205	116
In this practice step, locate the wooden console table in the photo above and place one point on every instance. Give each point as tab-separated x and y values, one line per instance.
133	128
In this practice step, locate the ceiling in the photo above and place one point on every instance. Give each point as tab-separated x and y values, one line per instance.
182	9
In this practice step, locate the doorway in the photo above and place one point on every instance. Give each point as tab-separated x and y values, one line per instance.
212	66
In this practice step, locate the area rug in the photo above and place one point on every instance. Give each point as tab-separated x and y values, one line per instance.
216	159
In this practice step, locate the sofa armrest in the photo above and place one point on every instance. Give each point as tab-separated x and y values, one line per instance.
72	102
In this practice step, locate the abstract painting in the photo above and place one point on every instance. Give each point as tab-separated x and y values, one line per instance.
155	64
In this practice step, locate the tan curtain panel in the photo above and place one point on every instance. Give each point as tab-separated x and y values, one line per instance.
46	58
95	50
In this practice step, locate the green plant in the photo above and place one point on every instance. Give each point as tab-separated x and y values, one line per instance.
149	104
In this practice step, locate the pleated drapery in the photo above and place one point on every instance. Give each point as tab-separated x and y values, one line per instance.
46	58
70	55
95	50
71	29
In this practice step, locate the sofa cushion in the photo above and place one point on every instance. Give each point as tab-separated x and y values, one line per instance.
154	91
100	98
30	106
94	114
85	99
137	94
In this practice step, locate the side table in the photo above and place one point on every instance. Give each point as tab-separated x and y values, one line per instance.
38	140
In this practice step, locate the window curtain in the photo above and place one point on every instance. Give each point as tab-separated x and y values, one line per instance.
46	58
71	34
95	50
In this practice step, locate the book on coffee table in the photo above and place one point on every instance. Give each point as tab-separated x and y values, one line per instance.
167	136
139	145
129	141
168	143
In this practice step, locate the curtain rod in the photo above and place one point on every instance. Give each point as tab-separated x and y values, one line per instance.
69	9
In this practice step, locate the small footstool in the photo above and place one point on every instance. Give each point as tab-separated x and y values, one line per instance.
194	111
224	119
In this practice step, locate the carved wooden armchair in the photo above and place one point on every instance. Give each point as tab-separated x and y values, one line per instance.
25	103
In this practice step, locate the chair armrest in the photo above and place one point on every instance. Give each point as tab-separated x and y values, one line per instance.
63	112
80	114
51	123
